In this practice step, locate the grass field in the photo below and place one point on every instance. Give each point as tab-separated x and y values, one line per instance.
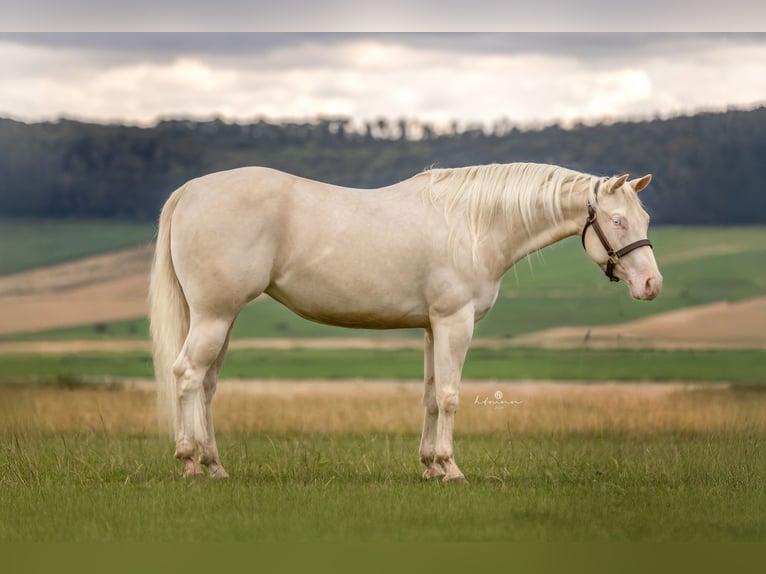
688	467
26	244
739	367
559	286
81	487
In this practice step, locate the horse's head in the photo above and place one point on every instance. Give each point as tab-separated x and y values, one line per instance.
615	236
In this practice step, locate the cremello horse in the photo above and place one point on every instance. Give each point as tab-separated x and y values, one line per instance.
428	252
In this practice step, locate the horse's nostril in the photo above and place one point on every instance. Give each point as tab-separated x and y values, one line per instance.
652	286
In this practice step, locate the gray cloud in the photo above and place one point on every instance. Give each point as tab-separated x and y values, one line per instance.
393	15
596	47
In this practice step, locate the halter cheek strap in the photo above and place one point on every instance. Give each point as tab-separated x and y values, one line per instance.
614	256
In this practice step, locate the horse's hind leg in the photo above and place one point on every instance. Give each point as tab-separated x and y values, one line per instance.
209	449
206	338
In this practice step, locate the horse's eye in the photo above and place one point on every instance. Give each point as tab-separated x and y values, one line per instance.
616	221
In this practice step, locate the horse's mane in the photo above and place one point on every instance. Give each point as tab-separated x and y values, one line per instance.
521	193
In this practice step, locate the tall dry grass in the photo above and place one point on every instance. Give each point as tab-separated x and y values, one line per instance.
395	407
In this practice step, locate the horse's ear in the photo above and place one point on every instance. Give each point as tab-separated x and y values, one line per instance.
617	183
641	182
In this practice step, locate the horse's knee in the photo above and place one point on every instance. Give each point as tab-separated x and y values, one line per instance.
431	407
448	401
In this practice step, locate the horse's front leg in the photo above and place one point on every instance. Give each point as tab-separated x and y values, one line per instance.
431	416
452	337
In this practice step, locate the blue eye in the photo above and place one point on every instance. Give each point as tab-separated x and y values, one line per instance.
617	222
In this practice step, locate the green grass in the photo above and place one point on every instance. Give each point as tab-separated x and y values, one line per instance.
26	244
741	367
133	329
78	487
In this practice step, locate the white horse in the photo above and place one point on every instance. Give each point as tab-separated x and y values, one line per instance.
428	252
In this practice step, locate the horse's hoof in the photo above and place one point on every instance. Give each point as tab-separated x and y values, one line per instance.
217	472
455	479
431	473
192	469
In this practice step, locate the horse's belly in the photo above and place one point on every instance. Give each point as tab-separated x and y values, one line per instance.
343	309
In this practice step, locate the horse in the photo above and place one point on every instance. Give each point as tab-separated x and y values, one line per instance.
428	252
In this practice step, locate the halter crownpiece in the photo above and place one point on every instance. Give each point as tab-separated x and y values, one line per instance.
614	256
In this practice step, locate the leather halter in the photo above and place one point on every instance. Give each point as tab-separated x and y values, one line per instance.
614	256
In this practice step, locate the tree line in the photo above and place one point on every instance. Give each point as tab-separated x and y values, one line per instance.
707	167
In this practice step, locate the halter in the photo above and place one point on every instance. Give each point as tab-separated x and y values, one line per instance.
614	256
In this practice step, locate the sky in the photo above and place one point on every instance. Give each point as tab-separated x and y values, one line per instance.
525	79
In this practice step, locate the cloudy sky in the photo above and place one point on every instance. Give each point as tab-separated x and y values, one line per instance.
527	78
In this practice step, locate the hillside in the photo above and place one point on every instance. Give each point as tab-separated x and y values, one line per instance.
707	167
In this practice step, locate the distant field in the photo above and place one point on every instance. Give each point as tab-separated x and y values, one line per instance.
26	244
739	367
559	286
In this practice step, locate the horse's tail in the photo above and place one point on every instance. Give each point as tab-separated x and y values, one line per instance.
168	315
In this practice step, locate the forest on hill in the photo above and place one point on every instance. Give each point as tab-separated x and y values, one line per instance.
708	168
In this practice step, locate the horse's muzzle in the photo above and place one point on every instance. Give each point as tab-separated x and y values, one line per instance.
646	288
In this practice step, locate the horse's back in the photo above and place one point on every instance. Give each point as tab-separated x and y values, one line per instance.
332	254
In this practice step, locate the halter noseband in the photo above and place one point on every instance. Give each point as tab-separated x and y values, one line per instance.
614	256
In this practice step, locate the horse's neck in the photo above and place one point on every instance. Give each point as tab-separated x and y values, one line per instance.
520	242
